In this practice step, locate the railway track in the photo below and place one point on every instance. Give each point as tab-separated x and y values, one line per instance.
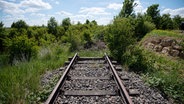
89	81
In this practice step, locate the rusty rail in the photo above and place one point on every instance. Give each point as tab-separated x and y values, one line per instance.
123	92
55	92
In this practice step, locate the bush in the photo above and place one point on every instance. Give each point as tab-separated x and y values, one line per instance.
137	60
21	48
142	27
87	39
148	27
119	36
73	39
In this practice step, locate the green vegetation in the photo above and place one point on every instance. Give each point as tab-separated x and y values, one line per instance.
119	36
159	71
27	52
18	81
165	33
167	76
127	9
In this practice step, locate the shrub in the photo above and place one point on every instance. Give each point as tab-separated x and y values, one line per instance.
142	27
21	48
87	39
148	26
119	36
73	39
137	60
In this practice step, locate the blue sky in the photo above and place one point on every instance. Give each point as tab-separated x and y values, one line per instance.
38	12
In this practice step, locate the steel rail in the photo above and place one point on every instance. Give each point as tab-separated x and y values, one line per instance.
123	91
55	92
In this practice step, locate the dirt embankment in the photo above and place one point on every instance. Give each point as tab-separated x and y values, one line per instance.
164	45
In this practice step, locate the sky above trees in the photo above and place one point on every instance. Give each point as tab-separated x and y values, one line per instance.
38	12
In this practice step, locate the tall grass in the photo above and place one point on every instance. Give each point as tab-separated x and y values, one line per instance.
167	76
18	81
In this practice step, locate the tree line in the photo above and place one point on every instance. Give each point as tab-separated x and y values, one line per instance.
22	42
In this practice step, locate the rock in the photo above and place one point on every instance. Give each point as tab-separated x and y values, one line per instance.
166	42
177	47
158	48
156	41
150	45
174	53
181	54
166	50
133	92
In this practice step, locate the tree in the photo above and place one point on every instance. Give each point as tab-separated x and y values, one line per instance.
61	32
66	23
52	26
87	21
127	9
2	36
142	27
177	21
19	24
154	13
94	22
166	22
119	36
87	39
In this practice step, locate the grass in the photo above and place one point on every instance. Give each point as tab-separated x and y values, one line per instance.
167	76
166	33
18	81
168	72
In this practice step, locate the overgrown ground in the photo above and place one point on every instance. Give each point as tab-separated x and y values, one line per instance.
20	83
168	72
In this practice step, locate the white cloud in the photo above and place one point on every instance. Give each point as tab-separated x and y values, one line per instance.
15	11
64	13
10	8
173	12
93	11
115	6
139	8
104	20
10	19
24	6
38	4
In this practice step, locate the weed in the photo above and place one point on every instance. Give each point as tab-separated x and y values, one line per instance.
23	79
167	74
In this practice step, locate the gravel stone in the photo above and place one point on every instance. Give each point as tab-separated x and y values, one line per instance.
147	95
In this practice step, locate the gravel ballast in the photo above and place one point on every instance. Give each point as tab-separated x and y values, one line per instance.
147	95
